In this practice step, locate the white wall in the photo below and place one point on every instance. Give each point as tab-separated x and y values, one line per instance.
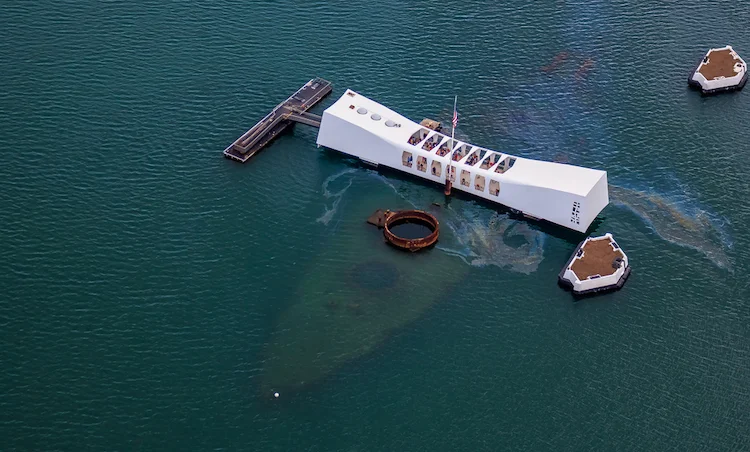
544	203
595	201
343	136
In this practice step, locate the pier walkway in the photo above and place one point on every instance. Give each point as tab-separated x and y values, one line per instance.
293	109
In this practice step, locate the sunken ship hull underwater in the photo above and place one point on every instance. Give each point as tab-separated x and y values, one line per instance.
566	195
348	302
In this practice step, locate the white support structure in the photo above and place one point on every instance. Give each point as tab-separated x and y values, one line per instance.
567	195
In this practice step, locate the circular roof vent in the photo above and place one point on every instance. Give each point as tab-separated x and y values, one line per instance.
362	110
390	123
376	117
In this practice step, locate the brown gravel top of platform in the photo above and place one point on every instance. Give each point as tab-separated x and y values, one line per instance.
720	63
597	259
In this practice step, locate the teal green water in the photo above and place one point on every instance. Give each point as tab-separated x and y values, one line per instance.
145	279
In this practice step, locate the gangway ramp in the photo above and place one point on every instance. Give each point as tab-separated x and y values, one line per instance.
293	109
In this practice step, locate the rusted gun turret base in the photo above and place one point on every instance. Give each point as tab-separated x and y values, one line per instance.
386	218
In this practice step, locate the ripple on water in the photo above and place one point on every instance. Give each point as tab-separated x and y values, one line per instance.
141	273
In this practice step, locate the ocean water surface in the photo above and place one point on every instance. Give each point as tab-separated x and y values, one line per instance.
155	295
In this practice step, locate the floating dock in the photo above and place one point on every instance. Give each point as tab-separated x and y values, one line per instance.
292	110
597	265
721	69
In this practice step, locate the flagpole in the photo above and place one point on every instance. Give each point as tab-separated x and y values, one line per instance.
453	145
453	129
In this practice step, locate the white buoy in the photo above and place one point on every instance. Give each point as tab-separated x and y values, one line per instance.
276	394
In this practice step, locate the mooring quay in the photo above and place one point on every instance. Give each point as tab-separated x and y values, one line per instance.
292	110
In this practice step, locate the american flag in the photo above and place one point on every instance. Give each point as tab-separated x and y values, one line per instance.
455	118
